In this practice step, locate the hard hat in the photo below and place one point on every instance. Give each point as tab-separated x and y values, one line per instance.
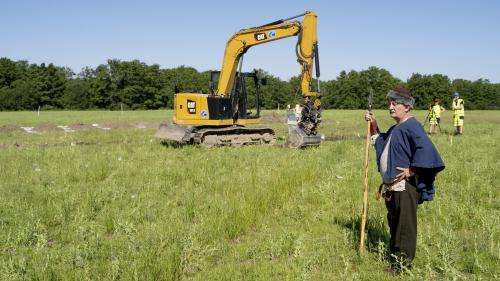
456	94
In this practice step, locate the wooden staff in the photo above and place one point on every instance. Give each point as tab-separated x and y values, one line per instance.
365	194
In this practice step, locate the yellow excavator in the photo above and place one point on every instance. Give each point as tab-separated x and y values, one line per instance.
222	117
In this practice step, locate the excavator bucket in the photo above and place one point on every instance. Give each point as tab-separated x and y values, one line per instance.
297	138
174	133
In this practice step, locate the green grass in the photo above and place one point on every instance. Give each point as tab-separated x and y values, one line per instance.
109	205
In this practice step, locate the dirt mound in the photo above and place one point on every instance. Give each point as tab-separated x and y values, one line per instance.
116	125
274	118
80	126
45	127
9	128
138	125
146	125
14	145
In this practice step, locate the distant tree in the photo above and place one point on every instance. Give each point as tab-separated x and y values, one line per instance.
77	95
276	92
181	79
427	87
480	94
348	91
52	84
380	81
136	85
22	95
495	101
11	71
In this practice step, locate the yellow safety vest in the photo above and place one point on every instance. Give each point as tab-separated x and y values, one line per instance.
458	107
436	110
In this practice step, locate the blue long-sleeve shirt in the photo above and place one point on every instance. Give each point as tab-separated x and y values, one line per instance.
410	147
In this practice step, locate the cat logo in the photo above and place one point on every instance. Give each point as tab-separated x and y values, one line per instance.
191	105
260	36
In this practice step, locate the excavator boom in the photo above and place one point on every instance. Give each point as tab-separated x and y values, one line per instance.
240	42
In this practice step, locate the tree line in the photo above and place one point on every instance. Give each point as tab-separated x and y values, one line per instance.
136	85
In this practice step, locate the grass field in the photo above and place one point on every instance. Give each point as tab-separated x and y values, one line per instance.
97	204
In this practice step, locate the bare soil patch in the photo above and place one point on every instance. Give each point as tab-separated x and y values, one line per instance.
46	127
80	126
274	118
9	128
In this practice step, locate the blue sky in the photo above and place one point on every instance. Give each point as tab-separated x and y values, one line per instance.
458	38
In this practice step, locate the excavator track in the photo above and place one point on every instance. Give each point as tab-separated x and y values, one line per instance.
216	136
234	136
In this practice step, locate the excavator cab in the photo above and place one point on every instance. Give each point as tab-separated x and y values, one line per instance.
238	98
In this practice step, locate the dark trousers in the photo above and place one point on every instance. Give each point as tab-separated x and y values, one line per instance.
402	217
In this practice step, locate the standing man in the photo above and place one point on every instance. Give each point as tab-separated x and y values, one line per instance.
408	163
458	113
435	116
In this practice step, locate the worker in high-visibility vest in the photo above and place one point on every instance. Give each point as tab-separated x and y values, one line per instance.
435	116
458	113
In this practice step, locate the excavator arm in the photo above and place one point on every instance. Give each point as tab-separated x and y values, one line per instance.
306	49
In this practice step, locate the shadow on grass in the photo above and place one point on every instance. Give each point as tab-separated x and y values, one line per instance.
377	232
171	144
343	137
441	133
